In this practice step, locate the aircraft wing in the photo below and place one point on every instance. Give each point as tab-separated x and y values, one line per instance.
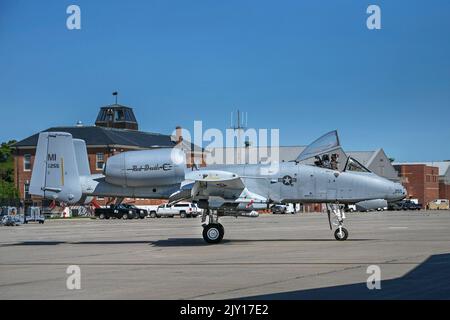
215	184
216	178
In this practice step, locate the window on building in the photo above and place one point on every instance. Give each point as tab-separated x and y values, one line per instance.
99	161
26	191
27	162
120	115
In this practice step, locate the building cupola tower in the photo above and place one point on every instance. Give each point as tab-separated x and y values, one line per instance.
117	116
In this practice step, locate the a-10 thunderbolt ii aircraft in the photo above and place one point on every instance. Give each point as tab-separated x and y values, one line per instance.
61	172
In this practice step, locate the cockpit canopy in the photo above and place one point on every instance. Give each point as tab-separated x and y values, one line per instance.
325	144
354	166
326	152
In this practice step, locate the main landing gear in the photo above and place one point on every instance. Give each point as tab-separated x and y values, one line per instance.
341	233
213	231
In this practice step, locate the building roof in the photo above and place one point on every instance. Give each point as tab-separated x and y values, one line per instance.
101	136
442	165
364	157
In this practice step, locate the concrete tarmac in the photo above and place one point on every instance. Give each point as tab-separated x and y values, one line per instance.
270	257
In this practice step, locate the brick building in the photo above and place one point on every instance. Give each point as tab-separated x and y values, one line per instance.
444	175
115	131
420	180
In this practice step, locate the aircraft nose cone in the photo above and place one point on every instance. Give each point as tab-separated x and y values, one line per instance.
399	192
404	192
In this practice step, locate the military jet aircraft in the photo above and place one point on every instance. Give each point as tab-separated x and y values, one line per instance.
61	172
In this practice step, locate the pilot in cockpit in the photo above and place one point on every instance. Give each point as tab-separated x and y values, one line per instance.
326	161
318	161
334	161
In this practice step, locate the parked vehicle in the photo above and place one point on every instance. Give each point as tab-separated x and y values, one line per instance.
184	210
404	205
350	208
34	215
113	211
439	204
140	213
8	210
9	216
279	209
8	220
282	209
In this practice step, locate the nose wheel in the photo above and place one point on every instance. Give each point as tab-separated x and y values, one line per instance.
340	234
213	233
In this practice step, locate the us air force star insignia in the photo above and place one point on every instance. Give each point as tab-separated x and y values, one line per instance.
287	180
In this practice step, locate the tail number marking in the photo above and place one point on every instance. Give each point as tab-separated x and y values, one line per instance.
51	157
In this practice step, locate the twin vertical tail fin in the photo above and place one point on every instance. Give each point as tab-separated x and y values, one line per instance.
58	163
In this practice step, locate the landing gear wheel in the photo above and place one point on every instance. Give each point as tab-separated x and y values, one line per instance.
213	233
341	236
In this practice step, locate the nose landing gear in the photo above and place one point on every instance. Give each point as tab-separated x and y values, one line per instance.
341	233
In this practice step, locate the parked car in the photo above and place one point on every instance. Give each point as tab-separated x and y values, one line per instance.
8	220
405	205
282	209
279	209
34	215
139	213
113	211
184	210
350	208
439	204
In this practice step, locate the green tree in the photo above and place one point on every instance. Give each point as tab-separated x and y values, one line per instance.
7	188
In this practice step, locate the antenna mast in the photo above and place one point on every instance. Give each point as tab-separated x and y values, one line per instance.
239	126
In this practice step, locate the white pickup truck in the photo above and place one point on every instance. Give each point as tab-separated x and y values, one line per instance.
184	210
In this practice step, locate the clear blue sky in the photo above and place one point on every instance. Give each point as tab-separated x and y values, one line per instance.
305	67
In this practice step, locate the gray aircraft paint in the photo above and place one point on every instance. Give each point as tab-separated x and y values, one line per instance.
153	174
161	167
313	184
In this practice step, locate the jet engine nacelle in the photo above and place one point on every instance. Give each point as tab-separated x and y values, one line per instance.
144	168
